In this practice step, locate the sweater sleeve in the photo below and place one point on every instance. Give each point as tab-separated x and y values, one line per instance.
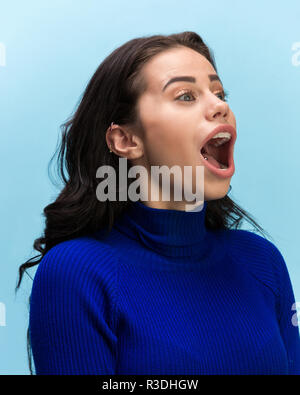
72	310
286	312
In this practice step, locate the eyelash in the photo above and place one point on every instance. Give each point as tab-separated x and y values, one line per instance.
224	94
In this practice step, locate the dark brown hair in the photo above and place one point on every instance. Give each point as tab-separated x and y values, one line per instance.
111	95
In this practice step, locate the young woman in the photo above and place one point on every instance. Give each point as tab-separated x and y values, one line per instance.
146	286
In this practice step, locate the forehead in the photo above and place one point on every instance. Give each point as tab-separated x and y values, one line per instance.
174	62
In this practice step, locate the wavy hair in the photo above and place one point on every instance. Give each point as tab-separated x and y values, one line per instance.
111	95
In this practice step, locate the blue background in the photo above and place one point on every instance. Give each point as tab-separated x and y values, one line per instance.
52	49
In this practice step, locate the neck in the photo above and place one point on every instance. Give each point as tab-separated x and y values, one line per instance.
169	232
174	205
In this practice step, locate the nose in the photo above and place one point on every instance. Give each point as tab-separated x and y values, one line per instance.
217	108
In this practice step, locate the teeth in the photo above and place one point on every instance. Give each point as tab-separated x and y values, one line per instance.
224	136
223	166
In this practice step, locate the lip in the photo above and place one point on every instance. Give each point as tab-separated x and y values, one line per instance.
219	172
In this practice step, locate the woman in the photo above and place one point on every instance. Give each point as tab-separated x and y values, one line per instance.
146	286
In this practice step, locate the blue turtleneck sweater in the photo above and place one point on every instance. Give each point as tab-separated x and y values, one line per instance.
162	294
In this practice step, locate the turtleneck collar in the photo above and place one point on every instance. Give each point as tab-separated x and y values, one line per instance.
168	232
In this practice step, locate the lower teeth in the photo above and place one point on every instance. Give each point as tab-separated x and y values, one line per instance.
223	166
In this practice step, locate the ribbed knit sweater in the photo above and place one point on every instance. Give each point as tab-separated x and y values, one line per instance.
163	294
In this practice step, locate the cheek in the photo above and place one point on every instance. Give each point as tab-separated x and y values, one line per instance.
168	138
168	145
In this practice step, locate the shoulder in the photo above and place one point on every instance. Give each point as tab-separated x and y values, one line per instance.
78	254
248	244
82	263
260	256
74	289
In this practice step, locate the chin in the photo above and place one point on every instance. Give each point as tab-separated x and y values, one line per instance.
216	191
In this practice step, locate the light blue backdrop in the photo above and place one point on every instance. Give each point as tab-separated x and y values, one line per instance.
49	51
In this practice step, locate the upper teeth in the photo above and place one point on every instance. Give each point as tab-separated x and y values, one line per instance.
225	137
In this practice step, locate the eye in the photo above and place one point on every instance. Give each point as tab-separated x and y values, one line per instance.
188	93
185	93
224	94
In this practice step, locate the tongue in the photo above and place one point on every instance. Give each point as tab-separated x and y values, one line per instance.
212	160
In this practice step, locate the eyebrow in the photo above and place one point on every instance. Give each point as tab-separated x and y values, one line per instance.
212	77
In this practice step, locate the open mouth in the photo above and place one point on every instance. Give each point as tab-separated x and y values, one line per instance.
216	150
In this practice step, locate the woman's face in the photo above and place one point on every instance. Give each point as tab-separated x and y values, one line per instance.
178	118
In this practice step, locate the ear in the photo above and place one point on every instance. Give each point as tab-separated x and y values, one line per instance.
123	142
